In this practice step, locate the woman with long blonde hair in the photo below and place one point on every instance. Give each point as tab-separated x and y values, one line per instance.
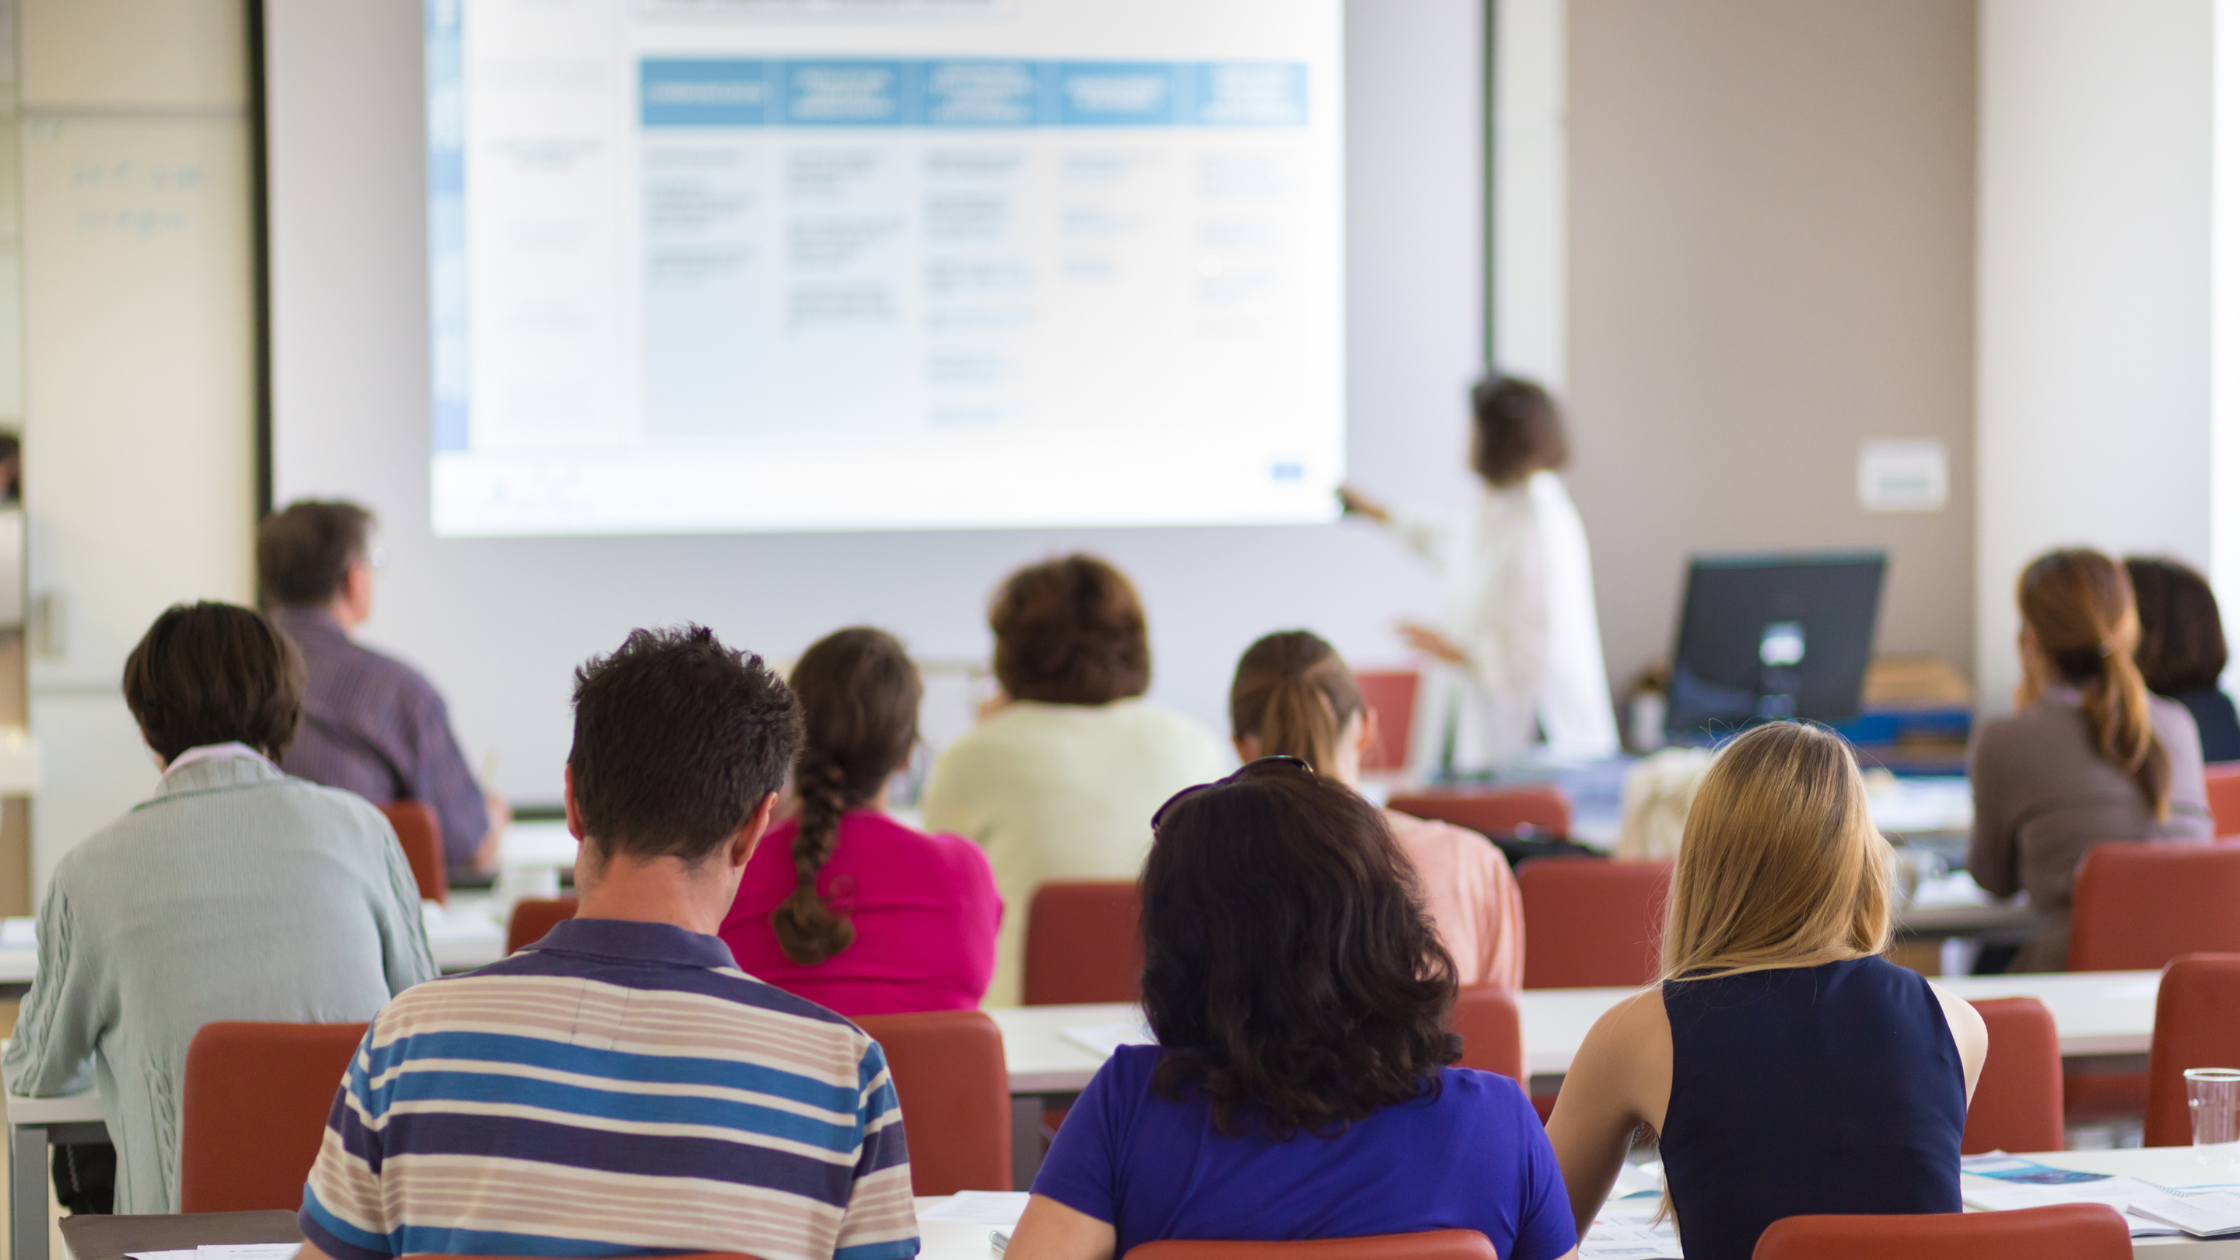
2088	755
1785	1065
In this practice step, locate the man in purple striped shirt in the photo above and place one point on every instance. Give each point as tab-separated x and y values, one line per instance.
371	724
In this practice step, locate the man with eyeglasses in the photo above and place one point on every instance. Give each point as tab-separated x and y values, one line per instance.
371	724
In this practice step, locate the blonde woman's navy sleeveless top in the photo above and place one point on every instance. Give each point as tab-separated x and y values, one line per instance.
1808	1090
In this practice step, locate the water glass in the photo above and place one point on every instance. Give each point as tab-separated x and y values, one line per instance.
2213	1098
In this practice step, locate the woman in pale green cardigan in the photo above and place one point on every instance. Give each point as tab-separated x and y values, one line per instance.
234	893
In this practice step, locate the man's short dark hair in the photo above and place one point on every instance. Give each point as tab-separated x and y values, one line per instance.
214	674
1070	631
1520	431
678	738
305	550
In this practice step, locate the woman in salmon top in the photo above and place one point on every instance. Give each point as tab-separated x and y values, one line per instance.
1294	696
841	904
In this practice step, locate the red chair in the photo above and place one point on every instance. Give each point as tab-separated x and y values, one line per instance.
1492	1035
2137	906
2017	1106
1590	923
422	839
254	1110
2067	1231
1494	811
1082	944
2196	1024
532	917
1392	697
955	1094
1440	1244
2224	796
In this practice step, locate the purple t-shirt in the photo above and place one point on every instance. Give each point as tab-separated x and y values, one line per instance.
1474	1157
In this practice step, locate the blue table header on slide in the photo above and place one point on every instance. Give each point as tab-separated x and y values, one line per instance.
801	92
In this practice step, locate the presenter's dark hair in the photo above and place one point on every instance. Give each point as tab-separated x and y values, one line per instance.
305	550
2181	634
859	698
1519	430
1288	967
1070	631
214	674
678	738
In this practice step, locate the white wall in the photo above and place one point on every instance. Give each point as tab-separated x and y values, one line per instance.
2093	295
138	408
499	623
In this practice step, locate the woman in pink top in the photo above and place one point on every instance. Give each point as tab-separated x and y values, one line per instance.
1294	695
841	904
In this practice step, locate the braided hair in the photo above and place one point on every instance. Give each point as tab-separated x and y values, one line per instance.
859	693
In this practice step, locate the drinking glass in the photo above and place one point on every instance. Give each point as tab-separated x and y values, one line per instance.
2213	1098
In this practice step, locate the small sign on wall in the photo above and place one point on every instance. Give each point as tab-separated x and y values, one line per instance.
1902	475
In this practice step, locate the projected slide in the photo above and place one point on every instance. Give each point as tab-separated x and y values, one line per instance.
738	265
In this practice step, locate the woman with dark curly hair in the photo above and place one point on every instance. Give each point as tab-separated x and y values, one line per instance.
1055	783
1300	1087
840	903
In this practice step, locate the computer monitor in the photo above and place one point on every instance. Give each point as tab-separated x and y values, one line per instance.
1765	636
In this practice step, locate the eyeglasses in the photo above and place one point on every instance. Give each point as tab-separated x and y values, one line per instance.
1254	767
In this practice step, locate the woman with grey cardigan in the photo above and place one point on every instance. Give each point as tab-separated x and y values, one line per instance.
234	893
2087	757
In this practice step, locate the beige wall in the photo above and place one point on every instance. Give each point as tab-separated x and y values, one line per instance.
1772	219
138	369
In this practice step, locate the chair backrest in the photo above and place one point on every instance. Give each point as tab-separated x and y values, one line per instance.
2139	905
2065	1231
1590	923
1082	944
955	1095
254	1110
1492	1034
1392	697
532	917
423	846
2017	1105
2224	796
1438	1244
2196	1024
1494	811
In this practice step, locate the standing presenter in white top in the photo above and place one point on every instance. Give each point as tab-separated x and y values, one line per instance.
1518	653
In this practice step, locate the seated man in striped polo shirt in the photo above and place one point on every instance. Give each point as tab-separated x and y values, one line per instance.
621	1087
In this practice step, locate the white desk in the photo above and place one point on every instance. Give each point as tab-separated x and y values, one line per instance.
2166	1166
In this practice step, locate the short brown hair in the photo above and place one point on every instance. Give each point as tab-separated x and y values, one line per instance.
1070	631
1520	432
305	550
2181	634
678	738
214	674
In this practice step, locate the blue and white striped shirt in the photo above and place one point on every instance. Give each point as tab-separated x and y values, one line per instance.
619	1088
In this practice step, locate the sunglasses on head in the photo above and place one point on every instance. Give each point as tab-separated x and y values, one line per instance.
1257	766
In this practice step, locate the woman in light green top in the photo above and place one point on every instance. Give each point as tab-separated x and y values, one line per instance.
234	893
1059	781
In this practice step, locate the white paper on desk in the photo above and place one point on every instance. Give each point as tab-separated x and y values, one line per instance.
19	934
1642	1178
1105	1038
980	1207
2214	1214
2116	1192
188	1254
1630	1231
247	1251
